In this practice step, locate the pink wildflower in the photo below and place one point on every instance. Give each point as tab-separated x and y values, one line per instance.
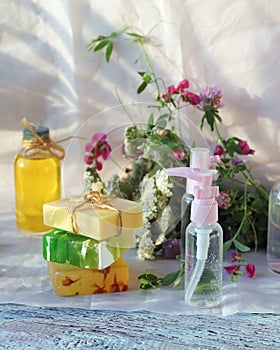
232	270
98	165
218	150
214	161
88	160
236	257
245	149
184	84
250	270
190	97
210	97
224	200
97	147
171	90
179	154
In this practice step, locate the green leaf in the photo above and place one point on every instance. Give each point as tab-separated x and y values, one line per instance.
109	51
142	87
218	117
227	245
202	122
235	277
133	37
162	120
150	121
179	277
101	45
241	247
148	277
170	278
142	73
210	119
232	146
148	280
113	35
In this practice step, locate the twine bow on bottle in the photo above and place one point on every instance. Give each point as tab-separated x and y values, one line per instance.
97	201
32	147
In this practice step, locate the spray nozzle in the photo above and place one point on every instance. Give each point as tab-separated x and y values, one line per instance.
204	178
204	206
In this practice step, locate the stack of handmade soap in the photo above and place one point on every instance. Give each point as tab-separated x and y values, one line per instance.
84	251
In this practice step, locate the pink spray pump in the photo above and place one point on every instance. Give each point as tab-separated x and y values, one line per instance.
204	240
199	158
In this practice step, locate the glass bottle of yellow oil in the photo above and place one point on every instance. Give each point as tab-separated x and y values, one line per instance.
37	178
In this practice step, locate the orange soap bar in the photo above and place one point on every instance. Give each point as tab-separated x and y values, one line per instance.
69	280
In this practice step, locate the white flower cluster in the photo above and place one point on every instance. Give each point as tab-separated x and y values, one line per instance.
146	246
88	180
90	183
155	194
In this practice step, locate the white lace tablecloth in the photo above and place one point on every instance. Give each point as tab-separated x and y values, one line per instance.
24	280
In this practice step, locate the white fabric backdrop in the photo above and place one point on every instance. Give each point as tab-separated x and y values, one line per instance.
46	76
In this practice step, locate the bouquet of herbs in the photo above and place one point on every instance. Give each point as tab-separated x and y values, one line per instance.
243	202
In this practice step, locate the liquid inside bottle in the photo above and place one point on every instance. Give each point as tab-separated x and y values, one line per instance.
273	238
37	181
208	290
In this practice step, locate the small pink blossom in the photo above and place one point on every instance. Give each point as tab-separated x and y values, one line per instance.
88	160
99	136
184	84
190	97
250	270
179	154
224	200
218	150
97	147
171	90
163	132
210	97
214	161
232	269
236	257
245	149
105	150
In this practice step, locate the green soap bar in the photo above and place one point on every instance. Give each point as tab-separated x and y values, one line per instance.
67	248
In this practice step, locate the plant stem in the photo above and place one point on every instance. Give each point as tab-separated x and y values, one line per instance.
245	214
148	62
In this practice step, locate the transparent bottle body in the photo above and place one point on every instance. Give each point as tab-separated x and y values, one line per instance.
273	236
37	181
185	220
207	292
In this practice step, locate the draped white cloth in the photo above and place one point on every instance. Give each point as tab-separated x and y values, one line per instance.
46	76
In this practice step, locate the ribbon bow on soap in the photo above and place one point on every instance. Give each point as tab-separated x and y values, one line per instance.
97	201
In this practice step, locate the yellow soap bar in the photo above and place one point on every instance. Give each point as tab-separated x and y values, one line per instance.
93	222
69	280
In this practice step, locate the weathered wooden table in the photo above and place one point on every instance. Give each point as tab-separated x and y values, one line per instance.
23	327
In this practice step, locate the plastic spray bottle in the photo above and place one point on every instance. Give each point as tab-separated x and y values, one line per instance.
204	241
199	158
